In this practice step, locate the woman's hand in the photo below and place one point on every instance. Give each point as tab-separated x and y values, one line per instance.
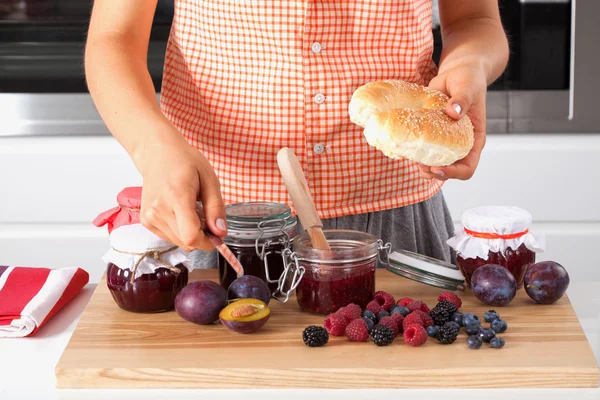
467	87
175	177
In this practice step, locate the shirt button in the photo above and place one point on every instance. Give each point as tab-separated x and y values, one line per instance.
319	98
316	47
319	148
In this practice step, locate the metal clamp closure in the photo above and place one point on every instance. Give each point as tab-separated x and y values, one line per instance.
291	268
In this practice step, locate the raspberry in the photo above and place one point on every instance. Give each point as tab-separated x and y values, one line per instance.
418	305
374	307
398	319
427	320
390	323
405	301
415	335
335	324
357	331
350	312
385	300
412	319
451	297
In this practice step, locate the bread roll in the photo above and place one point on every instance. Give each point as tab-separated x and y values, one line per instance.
406	120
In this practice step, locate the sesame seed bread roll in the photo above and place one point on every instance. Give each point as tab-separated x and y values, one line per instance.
406	120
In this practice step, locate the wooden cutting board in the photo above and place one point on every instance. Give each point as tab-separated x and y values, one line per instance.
111	348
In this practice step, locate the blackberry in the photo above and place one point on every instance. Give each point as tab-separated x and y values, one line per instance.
442	312
315	336
490	316
448	333
381	335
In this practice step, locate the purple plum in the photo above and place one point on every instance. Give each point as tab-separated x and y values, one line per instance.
249	287
546	282
200	302
493	285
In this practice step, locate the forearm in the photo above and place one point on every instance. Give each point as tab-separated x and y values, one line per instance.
123	92
479	40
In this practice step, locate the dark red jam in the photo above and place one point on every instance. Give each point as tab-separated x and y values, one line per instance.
253	265
324	288
516	261
149	293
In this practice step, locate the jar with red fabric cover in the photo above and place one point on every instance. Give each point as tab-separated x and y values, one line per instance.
144	273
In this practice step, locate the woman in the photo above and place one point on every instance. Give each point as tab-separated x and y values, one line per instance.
244	78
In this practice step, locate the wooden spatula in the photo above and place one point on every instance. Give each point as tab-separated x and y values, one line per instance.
295	181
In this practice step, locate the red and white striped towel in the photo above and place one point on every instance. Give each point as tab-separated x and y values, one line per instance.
29	297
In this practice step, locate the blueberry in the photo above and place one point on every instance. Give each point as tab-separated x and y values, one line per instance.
458	318
469	318
382	314
491	316
454	323
486	334
472	328
369	322
497	343
499	325
401	310
392	308
474	342
369	315
432	330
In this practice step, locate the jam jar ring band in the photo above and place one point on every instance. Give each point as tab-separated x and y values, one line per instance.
154	253
486	235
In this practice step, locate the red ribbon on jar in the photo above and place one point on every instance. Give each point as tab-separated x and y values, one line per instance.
486	235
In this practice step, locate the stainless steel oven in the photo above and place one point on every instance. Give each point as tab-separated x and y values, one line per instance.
550	85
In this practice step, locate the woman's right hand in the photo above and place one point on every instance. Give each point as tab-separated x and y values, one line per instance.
175	177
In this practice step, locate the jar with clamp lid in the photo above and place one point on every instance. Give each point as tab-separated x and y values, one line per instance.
257	234
331	279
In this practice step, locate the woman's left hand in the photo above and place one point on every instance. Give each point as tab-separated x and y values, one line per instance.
467	87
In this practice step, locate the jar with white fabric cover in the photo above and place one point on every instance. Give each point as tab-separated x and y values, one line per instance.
496	235
144	273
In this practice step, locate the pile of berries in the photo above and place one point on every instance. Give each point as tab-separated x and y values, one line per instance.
384	319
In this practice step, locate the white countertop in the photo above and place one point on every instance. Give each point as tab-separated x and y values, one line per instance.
27	366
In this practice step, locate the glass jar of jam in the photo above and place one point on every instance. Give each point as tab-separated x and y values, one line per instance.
496	235
257	234
337	277
144	273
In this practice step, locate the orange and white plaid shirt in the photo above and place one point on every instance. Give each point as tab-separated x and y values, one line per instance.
243	79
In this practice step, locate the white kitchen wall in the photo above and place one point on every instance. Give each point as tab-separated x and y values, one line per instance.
51	189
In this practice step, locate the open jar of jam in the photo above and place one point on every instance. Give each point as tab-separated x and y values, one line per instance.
337	277
257	234
144	273
496	235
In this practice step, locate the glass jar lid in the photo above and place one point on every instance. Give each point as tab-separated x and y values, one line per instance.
258	220
426	270
346	247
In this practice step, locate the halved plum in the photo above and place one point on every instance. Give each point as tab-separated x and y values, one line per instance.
245	315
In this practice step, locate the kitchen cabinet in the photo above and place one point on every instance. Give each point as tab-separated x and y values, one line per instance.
52	188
